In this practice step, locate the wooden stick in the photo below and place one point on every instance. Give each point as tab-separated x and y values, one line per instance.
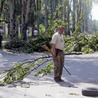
46	48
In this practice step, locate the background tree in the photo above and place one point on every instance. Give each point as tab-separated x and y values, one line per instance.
33	11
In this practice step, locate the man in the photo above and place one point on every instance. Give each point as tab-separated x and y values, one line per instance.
35	33
57	51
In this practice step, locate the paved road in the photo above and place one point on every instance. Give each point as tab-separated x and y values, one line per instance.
84	70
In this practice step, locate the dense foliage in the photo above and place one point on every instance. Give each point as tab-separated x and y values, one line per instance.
28	46
83	42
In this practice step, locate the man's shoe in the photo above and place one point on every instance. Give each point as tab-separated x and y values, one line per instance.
56	79
61	80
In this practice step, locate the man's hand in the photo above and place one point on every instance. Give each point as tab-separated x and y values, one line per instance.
52	52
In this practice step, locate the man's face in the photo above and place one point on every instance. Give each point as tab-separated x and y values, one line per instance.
60	30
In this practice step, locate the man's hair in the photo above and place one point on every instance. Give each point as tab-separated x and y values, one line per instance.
60	27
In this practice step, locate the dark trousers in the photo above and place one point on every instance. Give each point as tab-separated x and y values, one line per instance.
1	38
58	65
0	44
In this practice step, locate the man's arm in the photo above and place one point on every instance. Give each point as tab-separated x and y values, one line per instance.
53	50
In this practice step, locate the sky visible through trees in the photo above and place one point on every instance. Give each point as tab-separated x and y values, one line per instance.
94	11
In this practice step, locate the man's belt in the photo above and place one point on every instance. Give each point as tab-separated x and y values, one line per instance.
57	51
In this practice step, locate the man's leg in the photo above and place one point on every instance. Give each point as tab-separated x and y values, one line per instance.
58	67
61	64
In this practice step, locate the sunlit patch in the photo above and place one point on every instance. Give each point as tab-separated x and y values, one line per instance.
95	12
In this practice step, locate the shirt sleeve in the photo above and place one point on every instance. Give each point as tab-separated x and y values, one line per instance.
54	39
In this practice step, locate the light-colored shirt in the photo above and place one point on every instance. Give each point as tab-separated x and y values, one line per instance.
35	32
58	40
1	31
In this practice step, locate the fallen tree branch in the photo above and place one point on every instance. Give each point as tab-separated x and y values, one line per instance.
22	69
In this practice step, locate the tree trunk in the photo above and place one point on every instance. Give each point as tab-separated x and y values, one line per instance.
68	32
46	14
1	6
73	16
25	17
13	27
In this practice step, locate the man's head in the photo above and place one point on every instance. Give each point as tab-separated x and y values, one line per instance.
60	29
